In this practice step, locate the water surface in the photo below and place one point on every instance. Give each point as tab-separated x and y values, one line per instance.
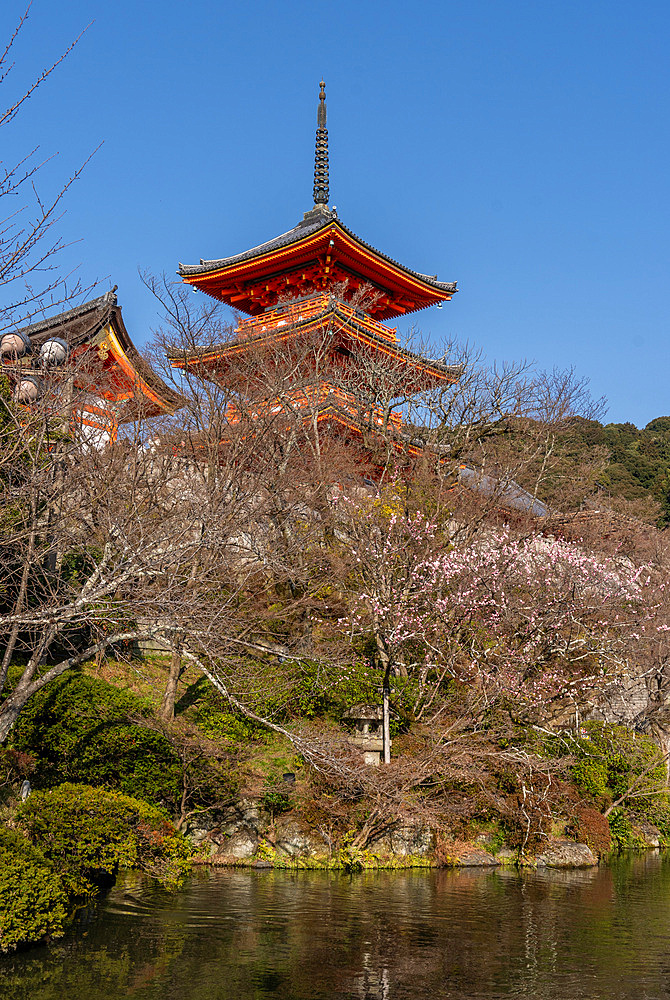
237	935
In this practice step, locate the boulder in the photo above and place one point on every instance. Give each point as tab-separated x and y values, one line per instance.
296	839
650	834
412	838
566	854
507	856
476	858
242	844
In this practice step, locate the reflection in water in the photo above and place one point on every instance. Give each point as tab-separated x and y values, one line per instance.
602	933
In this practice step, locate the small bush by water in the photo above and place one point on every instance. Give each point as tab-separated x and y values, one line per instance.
68	842
33	897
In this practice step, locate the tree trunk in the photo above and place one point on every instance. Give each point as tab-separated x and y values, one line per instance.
10	711
166	711
386	719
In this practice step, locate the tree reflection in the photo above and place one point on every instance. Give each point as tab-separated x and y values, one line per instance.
374	936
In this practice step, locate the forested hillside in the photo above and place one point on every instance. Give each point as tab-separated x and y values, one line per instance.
625	467
637	469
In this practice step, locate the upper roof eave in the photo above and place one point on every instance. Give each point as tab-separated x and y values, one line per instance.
306	228
195	354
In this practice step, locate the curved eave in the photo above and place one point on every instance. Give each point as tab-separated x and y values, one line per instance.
212	357
336	253
111	366
149	394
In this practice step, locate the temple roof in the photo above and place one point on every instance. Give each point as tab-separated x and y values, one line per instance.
312	222
320	251
78	325
349	328
118	371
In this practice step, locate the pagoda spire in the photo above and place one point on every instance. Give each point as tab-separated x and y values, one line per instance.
321	153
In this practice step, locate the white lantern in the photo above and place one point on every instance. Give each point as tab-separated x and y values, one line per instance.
14	345
53	352
27	389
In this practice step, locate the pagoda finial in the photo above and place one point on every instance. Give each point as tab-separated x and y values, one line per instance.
321	152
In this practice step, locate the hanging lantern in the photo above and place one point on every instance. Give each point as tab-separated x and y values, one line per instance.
27	389
53	352
14	345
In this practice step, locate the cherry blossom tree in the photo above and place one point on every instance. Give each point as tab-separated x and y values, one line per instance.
518	619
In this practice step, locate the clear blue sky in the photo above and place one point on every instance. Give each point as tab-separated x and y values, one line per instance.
520	148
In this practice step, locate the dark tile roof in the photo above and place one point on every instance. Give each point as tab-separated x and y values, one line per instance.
78	326
509	493
75	325
318	219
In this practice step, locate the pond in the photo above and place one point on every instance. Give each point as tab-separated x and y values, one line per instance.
239	934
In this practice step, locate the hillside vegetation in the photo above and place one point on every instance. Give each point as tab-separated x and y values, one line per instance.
629	467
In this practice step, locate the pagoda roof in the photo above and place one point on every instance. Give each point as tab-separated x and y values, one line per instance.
299	319
328	403
316	254
114	368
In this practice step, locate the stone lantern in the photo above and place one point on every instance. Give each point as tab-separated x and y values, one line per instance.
366	734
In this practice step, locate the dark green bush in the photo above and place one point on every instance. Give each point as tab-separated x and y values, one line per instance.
81	729
624	837
658	813
33	898
87	834
627	756
591	776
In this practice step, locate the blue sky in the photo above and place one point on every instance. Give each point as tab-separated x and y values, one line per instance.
519	148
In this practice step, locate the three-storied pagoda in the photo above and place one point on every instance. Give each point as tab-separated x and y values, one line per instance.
319	280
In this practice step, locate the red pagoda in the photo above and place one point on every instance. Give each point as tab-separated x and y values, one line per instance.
319	280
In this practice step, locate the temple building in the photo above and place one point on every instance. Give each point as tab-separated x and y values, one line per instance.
320	280
87	355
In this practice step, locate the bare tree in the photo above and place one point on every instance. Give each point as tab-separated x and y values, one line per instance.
30	244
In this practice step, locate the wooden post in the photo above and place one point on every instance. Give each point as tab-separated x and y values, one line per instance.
386	719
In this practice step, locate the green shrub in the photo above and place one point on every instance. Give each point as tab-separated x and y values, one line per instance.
81	729
33	899
88	833
276	795
610	759
624	837
591	776
626	755
658	813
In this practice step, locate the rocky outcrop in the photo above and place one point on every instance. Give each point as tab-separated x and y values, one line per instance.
242	844
404	839
235	833
475	857
246	832
649	834
294	838
566	854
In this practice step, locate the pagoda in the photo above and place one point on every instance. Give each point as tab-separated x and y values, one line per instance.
320	282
